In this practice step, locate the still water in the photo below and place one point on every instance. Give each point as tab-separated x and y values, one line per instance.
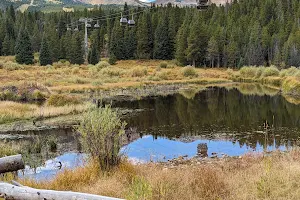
232	121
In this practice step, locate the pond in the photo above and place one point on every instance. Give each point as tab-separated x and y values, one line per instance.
231	120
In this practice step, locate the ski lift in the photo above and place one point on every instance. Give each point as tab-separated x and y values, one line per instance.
88	25
76	29
97	25
123	21
131	22
202	4
68	28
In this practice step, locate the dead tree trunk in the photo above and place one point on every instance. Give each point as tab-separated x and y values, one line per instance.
11	163
19	192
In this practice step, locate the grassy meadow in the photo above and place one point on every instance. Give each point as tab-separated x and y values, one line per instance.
66	88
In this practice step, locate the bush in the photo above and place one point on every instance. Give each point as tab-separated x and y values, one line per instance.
112	59
102	64
163	75
101	130
248	72
283	73
61	100
189	71
163	64
138	72
75	70
38	95
113	71
8	95
259	72
11	66
270	71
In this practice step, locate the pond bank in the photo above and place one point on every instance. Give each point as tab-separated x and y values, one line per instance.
252	176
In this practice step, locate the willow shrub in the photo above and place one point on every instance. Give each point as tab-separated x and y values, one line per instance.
101	130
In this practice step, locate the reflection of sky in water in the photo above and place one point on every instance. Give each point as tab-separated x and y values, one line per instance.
142	150
51	167
148	148
147	1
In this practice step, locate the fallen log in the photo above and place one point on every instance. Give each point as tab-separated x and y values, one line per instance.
19	192
11	163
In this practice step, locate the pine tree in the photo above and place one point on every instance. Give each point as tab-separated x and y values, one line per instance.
24	53
93	55
45	55
181	42
144	37
117	41
36	39
130	43
197	42
6	46
76	51
212	51
163	48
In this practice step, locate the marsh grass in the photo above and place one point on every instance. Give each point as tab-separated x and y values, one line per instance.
11	111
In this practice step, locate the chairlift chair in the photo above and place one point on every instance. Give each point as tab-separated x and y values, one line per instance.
68	28
76	29
88	25
97	25
123	21
131	22
202	4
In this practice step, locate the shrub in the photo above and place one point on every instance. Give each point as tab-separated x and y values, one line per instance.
248	72
61	100
270	71
283	73
101	130
259	72
189	71
158	69
138	72
163	64
75	70
113	71
102	64
11	66
38	95
9	96
112	59
163	75
292	71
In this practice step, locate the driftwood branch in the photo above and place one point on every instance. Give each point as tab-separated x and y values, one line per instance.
11	163
12	192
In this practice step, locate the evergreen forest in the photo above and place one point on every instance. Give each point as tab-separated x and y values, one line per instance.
244	32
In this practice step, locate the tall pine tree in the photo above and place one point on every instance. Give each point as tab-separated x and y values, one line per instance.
24	53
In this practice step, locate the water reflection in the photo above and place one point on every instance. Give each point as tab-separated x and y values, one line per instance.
148	149
53	166
219	114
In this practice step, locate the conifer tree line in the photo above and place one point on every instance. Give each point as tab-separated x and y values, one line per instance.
245	32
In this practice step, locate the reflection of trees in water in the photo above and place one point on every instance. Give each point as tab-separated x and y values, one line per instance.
38	148
218	110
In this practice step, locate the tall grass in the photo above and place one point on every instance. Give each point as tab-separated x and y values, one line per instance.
11	111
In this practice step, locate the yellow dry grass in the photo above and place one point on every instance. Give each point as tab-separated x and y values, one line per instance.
251	177
11	111
65	78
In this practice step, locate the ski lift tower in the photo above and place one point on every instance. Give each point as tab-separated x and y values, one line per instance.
87	25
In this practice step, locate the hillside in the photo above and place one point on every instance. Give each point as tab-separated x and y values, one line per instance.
57	5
